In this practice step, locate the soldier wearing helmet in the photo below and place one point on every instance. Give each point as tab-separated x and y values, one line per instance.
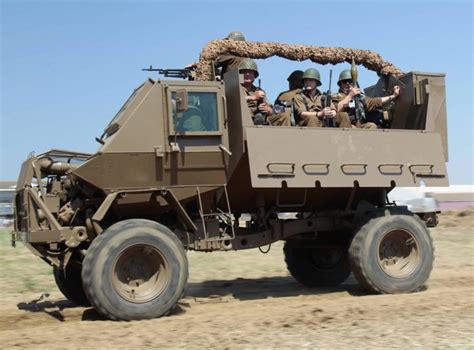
283	107
192	119
309	108
345	105
255	97
226	63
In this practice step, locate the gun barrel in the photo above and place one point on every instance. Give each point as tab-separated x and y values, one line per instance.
173	73
330	79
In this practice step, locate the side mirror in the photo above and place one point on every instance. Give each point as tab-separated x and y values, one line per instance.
181	100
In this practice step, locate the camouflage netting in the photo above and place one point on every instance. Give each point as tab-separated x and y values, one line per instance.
321	55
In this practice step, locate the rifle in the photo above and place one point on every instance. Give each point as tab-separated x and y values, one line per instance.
329	122
259	118
171	73
359	107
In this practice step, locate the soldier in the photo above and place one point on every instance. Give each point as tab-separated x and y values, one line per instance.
344	100
255	97
308	105
192	119
283	106
225	63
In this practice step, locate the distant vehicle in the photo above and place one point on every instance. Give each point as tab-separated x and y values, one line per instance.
116	224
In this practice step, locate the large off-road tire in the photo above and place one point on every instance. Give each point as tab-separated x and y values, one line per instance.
317	267
69	282
392	254
136	269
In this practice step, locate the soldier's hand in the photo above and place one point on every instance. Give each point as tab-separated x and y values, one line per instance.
265	108
259	94
354	91
328	112
191	65
396	91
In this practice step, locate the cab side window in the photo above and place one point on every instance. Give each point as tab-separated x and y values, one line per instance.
201	115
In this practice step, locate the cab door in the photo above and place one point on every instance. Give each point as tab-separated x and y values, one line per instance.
197	148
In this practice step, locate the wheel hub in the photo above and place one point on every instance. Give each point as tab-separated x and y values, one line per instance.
398	253
141	273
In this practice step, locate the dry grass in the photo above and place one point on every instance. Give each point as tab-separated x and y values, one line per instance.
21	271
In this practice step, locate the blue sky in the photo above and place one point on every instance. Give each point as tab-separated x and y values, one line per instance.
68	66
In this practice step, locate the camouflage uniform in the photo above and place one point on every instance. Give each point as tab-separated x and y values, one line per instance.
346	118
305	103
227	63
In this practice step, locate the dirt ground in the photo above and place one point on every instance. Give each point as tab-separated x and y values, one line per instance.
248	300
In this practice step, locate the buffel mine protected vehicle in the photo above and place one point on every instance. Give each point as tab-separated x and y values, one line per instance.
116	225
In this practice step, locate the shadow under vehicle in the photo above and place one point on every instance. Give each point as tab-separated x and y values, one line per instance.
116	224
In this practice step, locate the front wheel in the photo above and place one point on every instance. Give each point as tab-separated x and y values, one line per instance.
136	269
392	254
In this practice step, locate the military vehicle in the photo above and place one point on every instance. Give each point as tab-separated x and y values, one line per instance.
116	225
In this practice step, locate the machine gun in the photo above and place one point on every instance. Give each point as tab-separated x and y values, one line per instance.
359	106
329	122
171	73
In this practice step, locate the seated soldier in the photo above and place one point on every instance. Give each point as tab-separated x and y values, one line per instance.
255	97
283	107
192	119
308	103
346	104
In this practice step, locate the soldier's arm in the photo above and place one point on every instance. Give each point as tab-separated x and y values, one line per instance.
342	104
265	107
373	103
394	96
303	113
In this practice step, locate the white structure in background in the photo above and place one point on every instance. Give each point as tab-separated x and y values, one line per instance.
433	199
7	193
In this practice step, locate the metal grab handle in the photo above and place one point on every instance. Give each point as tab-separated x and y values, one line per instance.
323	166
279	171
392	169
362	169
428	167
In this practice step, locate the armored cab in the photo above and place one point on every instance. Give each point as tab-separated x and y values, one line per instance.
182	167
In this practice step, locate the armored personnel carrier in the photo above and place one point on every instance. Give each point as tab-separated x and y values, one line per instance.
116	225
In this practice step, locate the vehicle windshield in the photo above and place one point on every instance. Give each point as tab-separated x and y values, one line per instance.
113	126
201	114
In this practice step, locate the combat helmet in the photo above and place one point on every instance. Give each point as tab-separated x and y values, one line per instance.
312	73
237	36
345	75
250	64
295	76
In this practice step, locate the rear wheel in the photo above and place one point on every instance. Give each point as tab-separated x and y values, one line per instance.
392	254
137	269
317	267
69	283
